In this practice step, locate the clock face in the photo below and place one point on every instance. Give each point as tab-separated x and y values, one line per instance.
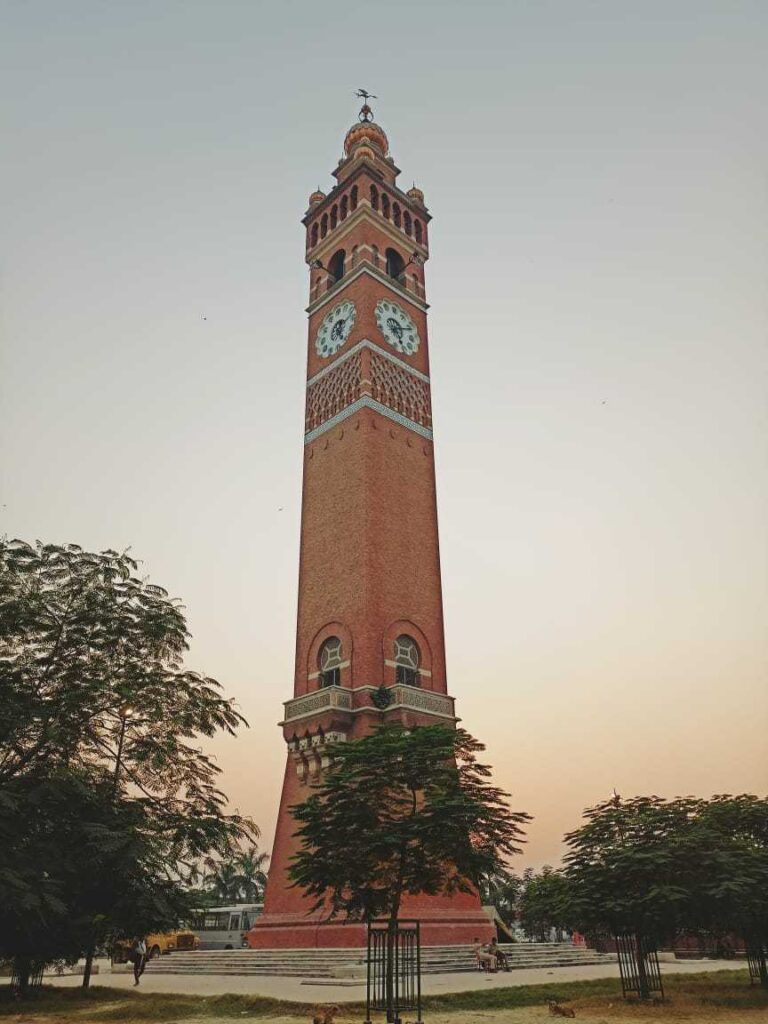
397	327
335	329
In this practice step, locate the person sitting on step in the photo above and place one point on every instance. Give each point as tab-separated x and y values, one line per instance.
485	961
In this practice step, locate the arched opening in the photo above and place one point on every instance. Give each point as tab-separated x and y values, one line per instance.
344	207
334	216
329	659
407	223
353	198
407	660
385	205
313	236
417	230
396	214
336	265
374	197
324	226
395	263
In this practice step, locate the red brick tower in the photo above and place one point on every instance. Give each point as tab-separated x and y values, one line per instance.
370	604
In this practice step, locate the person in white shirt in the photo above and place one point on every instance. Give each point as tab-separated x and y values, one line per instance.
139	959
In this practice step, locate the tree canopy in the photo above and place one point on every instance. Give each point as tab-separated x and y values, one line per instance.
100	734
402	812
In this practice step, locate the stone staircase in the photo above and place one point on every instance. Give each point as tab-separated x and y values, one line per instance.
350	963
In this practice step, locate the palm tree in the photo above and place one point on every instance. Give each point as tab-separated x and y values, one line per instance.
224	880
252	873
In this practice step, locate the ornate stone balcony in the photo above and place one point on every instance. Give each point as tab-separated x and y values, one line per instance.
416	699
321	700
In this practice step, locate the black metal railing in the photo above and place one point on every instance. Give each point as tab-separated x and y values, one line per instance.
394	970
638	967
758	970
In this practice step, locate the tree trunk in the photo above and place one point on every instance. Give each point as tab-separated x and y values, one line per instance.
88	968
642	976
22	968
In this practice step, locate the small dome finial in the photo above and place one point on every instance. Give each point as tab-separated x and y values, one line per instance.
366	131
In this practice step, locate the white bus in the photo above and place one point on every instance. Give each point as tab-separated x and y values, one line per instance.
226	927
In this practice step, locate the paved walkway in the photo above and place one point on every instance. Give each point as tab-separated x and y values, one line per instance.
312	990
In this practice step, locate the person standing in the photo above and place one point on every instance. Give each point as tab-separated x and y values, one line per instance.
139	959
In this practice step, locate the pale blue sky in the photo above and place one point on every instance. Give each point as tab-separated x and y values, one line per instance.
597	174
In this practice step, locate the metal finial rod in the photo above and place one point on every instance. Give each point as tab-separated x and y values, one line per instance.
366	114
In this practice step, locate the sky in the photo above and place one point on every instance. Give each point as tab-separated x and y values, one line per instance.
596	170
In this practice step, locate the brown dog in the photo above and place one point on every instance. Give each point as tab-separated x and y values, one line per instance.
560	1011
324	1014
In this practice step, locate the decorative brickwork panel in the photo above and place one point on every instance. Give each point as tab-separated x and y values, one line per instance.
334	391
402	391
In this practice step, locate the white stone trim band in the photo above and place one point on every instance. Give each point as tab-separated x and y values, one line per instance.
367	403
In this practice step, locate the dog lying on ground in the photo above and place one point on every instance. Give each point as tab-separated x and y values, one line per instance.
324	1014
557	1010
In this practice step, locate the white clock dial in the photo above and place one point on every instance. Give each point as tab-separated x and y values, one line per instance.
335	329
397	327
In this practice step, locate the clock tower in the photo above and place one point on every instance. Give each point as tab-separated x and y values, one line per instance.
369	644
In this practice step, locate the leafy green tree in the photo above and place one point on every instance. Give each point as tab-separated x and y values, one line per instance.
544	902
93	688
730	871
402	812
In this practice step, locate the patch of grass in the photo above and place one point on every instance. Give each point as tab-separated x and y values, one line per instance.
721	991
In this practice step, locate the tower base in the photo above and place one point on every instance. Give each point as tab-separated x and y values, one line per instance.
294	931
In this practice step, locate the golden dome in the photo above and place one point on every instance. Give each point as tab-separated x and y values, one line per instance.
416	194
316	197
366	131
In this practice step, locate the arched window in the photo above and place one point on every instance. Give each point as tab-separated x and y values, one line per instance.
407	222
406	661
417	230
353	198
374	197
329	660
313	236
395	263
396	214
336	265
324	226
344	205
334	216
375	256
385	205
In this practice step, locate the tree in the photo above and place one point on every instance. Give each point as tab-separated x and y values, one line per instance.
502	890
730	872
83	638
252	873
544	902
402	812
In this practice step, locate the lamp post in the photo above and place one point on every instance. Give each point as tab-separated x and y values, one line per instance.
124	714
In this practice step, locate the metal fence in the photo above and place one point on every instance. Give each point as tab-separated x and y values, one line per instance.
756	958
394	970
638	967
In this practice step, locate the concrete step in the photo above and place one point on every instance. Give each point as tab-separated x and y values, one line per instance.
351	963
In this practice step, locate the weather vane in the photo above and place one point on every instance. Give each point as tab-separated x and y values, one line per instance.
366	114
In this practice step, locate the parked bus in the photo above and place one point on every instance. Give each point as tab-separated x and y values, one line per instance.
226	927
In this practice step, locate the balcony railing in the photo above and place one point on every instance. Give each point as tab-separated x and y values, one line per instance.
321	700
